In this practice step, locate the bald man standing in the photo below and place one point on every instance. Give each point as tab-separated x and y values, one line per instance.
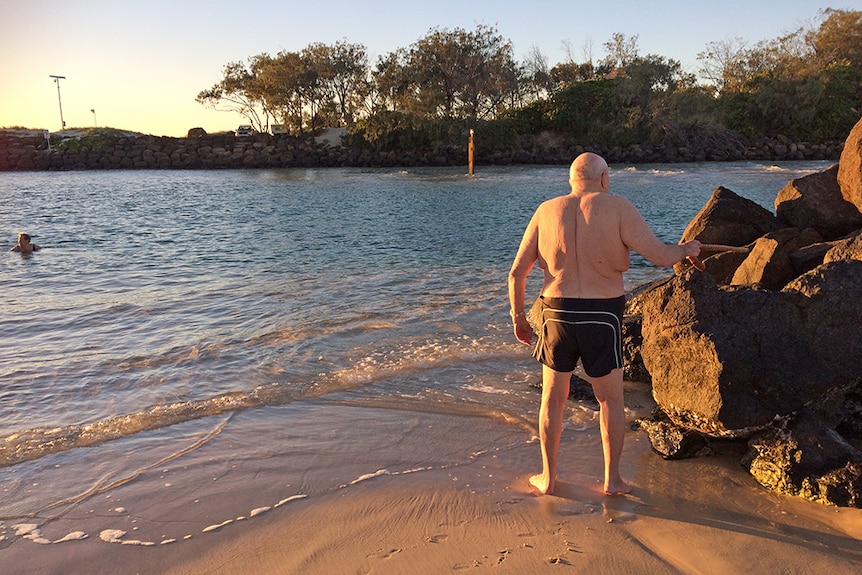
582	243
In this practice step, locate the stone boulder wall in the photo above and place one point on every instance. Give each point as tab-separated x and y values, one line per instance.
105	150
727	361
766	345
815	201
850	167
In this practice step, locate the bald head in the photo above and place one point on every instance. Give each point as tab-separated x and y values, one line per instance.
587	167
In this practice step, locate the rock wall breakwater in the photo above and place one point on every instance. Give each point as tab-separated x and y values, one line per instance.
104	151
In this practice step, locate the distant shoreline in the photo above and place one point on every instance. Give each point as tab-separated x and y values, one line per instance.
107	149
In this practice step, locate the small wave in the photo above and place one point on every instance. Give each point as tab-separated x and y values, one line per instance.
35	443
484	388
653	171
419	356
33	532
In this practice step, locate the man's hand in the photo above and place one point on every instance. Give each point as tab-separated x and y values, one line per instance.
523	330
692	248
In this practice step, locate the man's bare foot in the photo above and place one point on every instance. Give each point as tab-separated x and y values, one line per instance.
618	488
542	484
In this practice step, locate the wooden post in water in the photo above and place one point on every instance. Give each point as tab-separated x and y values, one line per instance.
470	154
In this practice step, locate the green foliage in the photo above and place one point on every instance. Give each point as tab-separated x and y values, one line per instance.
839	109
387	131
93	140
589	112
450	74
530	119
804	85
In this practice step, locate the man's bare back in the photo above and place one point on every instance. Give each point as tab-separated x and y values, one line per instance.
579	249
582	240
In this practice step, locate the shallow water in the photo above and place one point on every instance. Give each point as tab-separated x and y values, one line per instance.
166	306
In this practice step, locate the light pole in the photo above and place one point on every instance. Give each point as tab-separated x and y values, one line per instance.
57	81
95	124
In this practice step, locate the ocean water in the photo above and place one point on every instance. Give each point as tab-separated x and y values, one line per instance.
168	308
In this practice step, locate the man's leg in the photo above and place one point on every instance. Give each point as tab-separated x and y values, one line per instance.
609	393
555	391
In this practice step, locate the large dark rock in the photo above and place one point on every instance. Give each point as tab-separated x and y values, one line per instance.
769	263
849	248
672	441
727	361
815	201
850	167
728	218
801	455
723	265
809	257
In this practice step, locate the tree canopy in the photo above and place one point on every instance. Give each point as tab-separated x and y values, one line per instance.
806	84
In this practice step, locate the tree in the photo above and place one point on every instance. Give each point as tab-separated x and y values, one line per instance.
718	59
536	77
393	82
342	79
236	92
451	74
838	38
621	51
803	83
567	73
283	81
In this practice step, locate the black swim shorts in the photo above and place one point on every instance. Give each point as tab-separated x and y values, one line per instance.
585	329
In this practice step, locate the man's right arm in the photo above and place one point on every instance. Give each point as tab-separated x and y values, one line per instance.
528	253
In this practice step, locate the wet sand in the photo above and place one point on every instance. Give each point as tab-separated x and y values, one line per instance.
432	493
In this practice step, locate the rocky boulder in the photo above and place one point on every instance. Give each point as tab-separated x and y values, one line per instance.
728	218
769	263
722	265
672	441
816	201
727	361
849	248
802	456
850	167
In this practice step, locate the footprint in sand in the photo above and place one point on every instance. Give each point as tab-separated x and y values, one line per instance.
621	511
437	538
578	509
387	554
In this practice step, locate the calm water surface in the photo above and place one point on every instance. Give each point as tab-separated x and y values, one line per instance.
161	287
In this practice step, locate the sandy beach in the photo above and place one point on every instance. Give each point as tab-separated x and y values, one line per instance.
414	515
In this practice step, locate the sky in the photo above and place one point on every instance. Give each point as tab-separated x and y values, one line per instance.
138	65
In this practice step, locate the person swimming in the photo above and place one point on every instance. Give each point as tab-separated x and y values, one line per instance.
24	246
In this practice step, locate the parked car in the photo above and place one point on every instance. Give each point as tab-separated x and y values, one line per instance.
244	130
278	129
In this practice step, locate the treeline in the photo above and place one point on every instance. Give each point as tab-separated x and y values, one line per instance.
806	85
